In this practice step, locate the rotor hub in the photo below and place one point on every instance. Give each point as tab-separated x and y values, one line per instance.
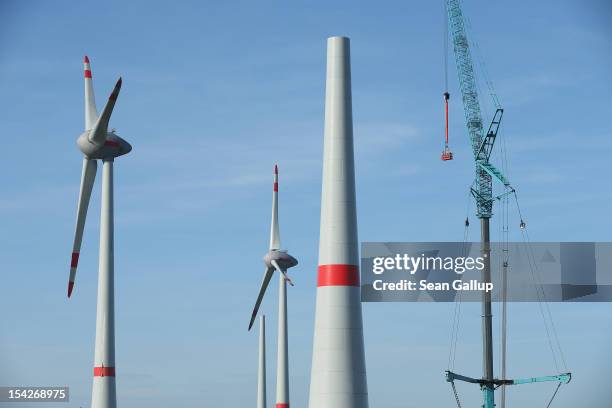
113	146
284	260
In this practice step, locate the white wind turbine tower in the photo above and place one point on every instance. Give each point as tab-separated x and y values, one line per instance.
97	143
279	260
261	374
338	375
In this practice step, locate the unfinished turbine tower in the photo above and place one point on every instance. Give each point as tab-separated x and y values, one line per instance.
261	371
279	260
97	143
338	376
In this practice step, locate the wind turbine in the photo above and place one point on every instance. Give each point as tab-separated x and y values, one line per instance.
279	260
97	143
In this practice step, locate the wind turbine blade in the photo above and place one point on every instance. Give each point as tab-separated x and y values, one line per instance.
91	113
264	285
99	131
278	268
274	233
87	180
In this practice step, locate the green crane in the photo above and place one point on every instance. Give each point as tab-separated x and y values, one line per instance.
482	191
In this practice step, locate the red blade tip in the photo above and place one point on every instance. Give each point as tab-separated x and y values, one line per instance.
113	96
86	59
70	287
74	260
275	169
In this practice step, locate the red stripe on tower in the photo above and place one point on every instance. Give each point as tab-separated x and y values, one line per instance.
279	405
104	371
338	275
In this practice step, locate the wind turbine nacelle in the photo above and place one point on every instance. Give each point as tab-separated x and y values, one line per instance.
113	146
284	260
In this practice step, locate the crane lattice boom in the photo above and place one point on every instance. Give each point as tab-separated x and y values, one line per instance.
481	144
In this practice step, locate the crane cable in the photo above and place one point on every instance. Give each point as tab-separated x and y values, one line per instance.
532	265
457	311
482	65
445	21
543	305
504	232
554	395
457	395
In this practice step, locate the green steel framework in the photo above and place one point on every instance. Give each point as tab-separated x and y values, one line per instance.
482	191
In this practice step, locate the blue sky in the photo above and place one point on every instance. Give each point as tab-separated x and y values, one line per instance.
214	94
